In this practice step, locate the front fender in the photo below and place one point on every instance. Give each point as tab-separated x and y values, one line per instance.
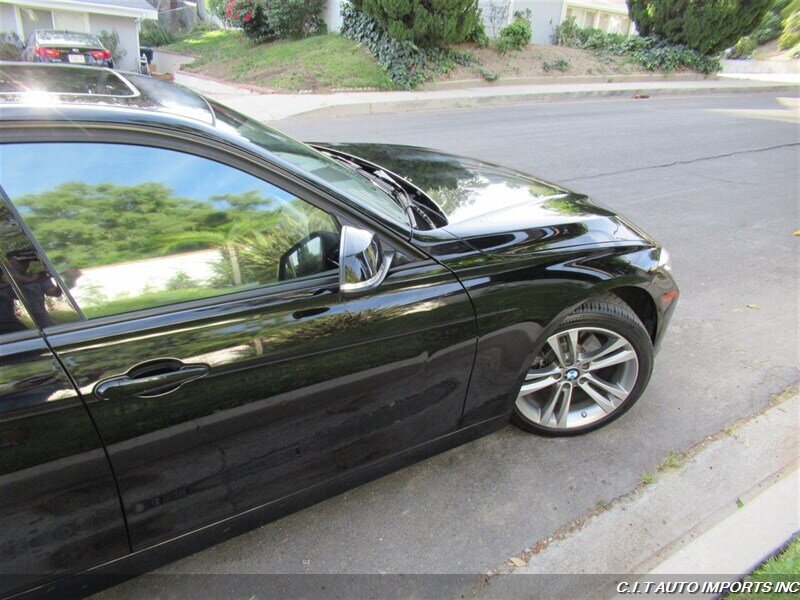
520	303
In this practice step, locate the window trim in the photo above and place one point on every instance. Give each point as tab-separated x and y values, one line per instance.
17	336
6	204
188	143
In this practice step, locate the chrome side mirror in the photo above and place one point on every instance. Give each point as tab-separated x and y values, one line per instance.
362	263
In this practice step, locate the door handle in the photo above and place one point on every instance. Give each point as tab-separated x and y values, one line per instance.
148	386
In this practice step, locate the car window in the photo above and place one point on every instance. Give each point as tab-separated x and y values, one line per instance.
68	37
130	227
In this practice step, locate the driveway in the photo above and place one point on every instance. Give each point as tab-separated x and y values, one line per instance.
713	178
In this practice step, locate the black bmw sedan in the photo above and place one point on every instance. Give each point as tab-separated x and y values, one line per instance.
205	324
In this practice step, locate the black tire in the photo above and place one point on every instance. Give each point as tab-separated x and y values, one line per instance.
609	312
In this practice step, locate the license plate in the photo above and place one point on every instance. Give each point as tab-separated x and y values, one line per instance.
77	58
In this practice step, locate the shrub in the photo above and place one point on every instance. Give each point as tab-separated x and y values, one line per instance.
561	64
10	46
295	19
153	34
708	27
478	35
515	35
406	64
650	52
263	20
790	38
489	75
216	8
568	33
744	47
427	23
110	39
769	29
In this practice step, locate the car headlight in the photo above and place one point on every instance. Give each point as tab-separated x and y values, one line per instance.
664	260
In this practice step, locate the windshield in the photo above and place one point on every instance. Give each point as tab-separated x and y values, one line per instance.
310	161
67	38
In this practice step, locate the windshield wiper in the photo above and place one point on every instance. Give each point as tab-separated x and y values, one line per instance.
415	209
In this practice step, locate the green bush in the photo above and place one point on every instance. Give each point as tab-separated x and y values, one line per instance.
264	20
10	46
216	8
515	35
744	47
790	38
568	33
708	26
769	29
406	64
152	34
427	23
650	52
561	64
295	19
479	36
110	39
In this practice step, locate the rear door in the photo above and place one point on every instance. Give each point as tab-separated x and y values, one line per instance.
266	386
59	507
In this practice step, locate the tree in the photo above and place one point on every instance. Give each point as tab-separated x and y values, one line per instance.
708	26
424	22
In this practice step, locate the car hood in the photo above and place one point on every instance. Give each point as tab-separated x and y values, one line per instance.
498	210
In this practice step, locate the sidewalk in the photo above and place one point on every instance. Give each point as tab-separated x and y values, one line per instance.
270	107
734	502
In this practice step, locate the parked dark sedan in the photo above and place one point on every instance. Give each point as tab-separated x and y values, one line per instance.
206	324
72	47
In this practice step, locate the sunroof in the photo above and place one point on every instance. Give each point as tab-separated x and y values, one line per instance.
73	81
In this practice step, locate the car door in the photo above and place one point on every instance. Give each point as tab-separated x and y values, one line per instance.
216	384
59	507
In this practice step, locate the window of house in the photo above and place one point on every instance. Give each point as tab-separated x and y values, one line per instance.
130	227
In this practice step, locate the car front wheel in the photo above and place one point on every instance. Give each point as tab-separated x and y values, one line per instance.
590	371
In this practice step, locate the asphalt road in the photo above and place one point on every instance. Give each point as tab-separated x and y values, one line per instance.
713	178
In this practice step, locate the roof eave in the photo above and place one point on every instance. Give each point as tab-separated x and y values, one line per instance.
75	5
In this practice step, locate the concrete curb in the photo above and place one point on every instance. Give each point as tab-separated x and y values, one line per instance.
280	106
564	80
690	521
396	106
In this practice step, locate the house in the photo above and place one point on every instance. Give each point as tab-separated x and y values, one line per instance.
609	15
89	16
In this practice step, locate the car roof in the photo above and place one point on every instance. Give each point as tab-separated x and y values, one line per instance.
36	85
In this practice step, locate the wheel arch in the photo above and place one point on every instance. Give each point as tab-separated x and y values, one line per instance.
640	303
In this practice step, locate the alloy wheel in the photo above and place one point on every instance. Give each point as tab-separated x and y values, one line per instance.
582	375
